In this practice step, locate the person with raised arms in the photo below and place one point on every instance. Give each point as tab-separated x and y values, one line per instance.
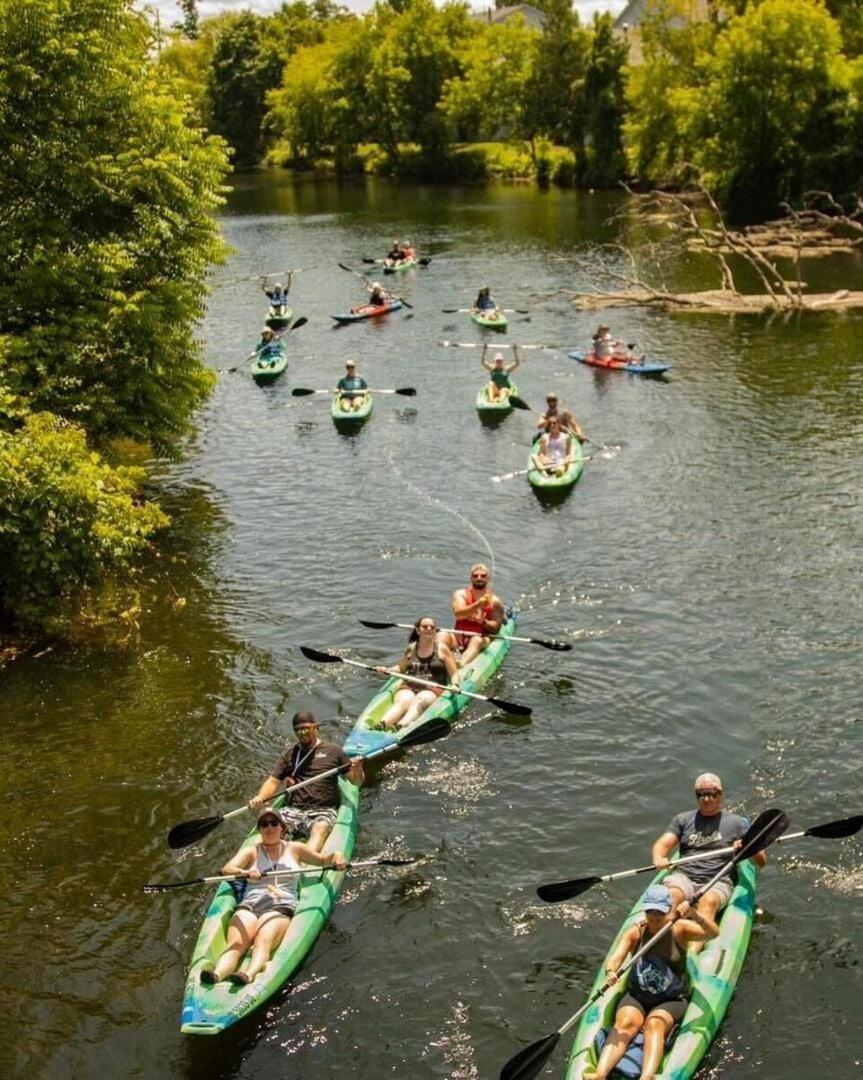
265	910
352	388
567	421
313	812
707	828
426	657
499	386
658	990
278	295
479	615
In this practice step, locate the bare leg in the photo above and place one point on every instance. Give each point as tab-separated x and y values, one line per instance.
270	932
491	391
656	1028
708	907
241	934
474	647
396	711
420	703
627	1024
318	835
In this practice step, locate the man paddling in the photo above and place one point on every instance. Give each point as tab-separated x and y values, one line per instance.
567	421
705	829
352	388
478	610
312	813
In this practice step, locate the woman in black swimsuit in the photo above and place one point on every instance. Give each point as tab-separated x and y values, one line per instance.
426	658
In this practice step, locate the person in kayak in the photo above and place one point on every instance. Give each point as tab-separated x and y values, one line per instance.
554	453
312	812
352	388
265	910
499	386
396	253
567	421
657	993
484	300
407	250
707	828
278	295
479	614
269	348
606	347
378	295
426	658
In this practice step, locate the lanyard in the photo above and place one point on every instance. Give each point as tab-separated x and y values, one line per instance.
301	760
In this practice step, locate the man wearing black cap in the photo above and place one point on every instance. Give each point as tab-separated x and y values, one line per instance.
313	810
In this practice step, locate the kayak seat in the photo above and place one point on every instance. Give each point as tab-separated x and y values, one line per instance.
630	1064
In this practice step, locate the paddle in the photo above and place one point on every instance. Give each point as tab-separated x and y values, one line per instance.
484	345
166	886
566	890
405	391
471	311
297	323
331	658
557	646
424	261
189	832
366	280
528	1062
537	468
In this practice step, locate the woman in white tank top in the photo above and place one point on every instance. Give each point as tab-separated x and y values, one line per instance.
555	449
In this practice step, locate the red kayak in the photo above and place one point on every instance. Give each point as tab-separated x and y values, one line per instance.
636	367
368	311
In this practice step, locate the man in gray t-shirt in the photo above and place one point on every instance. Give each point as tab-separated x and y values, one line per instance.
708	828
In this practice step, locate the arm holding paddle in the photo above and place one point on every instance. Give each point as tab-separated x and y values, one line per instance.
463	609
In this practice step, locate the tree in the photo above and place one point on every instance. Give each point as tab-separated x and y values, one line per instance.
558	66
189	25
600	102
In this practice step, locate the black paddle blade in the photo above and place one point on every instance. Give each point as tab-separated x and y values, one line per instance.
377	625
396	862
527	1063
555	646
319	657
519	403
301	391
402	299
836	830
767	827
189	832
430	732
367	260
556	891
424	261
509	706
407	391
299	322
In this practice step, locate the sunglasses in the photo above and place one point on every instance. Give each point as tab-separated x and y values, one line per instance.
425	627
707	794
270	823
305	727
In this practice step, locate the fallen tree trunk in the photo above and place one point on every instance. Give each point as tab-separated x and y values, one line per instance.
719	301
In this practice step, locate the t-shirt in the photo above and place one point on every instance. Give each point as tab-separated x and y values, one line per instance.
301	764
351	382
696	833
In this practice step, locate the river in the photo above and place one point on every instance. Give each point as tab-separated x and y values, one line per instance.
706	569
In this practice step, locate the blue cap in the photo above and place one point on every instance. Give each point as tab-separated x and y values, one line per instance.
656	898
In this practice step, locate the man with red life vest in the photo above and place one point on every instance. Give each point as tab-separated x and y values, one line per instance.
479	615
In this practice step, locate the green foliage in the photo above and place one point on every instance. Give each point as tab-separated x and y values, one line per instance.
68	520
189	25
558	68
600	101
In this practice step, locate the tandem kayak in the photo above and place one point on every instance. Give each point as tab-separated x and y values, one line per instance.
354	417
279	320
396	266
493	319
207	1010
365	737
713	974
486	407
634	367
368	311
546	481
266	368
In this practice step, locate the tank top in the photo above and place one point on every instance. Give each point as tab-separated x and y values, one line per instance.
556	447
659	975
500	378
427	667
474	623
284	861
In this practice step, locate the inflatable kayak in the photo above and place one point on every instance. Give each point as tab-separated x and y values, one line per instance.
366	736
713	974
486	407
396	266
268	366
547	481
354	417
207	1010
634	367
278	320
367	311
492	319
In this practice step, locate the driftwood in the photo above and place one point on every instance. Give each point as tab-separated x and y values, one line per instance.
717	301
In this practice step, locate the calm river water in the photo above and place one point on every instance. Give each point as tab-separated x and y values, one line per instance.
706	569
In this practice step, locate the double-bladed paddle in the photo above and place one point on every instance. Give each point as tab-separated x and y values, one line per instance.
392	296
528	1062
405	391
189	832
424	261
556	891
297	323
557	646
472	311
166	886
537	468
499	703
484	345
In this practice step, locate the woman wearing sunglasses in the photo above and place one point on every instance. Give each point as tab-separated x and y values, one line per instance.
263	915
426	658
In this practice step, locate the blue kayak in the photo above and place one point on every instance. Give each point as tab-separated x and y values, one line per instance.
634	367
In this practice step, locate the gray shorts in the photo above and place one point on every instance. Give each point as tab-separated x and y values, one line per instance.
679	880
299	822
260	903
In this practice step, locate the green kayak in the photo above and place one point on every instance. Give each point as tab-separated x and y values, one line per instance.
207	1010
713	974
367	737
268	366
547	481
396	267
492	319
278	320
355	417
487	407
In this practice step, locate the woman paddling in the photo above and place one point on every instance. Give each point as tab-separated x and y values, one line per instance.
555	449
425	658
263	915
657	994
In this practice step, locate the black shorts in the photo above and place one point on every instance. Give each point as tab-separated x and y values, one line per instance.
675	1008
